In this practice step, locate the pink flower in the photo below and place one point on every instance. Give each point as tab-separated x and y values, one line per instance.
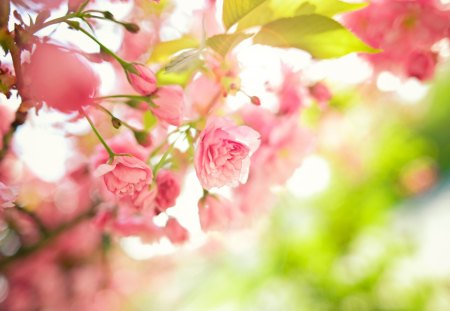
168	189
215	212
175	232
223	153
320	92
203	94
137	225
399	27
7	196
290	92
126	176
421	65
284	144
169	103
6	117
144	81
59	78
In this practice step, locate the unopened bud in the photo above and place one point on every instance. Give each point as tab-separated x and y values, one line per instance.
255	100
131	27
117	123
143	81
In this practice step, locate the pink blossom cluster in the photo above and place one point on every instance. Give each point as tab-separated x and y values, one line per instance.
405	32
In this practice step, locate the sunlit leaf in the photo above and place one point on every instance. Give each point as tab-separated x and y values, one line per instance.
321	36
149	120
168	78
184	61
223	43
164	50
234	10
272	10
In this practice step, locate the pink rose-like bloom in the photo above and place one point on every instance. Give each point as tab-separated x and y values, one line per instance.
215	213
168	189
144	82
7	196
169	103
223	153
126	176
176	233
59	78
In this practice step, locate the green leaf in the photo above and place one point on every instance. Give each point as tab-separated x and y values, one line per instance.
180	78
333	7
234	10
319	35
272	10
163	51
149	120
223	43
184	61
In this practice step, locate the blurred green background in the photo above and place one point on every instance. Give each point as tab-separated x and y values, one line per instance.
375	239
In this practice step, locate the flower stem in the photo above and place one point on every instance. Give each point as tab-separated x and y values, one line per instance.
100	107
100	138
37	221
122	62
35	28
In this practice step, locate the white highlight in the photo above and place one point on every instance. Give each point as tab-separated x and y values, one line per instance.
42	148
138	250
311	178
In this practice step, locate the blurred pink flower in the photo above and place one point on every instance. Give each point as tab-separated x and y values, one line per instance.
399	28
6	118
421	65
215	213
7	195
290	92
169	103
320	92
284	144
168	189
137	225
176	233
223	153
144	81
126	176
60	78
202	95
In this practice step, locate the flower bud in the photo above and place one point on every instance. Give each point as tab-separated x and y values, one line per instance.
143	81
255	100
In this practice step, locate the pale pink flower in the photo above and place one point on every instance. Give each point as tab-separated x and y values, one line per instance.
7	195
215	213
169	101
168	189
176	233
284	144
60	78
290	92
144	81
223	153
203	94
126	176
